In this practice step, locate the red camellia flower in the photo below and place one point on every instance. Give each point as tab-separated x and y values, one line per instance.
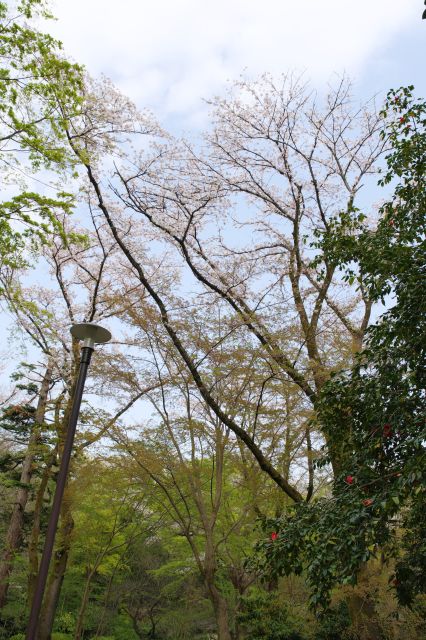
274	536
349	479
367	502
387	430
402	120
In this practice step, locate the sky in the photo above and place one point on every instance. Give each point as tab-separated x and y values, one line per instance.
168	55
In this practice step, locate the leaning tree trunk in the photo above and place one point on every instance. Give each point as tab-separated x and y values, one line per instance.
14	532
83	606
84	602
33	557
66	524
57	574
33	544
101	625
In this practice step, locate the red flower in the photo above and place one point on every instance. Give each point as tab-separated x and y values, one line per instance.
387	430
349	479
391	222
274	536
402	120
395	582
367	502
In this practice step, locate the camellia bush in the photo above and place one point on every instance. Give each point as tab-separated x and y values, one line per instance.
373	414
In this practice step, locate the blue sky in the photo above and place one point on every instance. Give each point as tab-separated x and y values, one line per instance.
170	54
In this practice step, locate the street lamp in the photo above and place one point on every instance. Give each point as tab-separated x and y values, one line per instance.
90	334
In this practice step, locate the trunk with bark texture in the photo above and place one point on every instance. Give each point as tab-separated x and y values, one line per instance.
66	523
35	529
57	573
220	606
14	532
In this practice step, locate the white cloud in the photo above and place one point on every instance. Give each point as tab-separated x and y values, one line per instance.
169	54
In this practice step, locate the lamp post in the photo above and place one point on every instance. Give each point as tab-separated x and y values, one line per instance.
91	334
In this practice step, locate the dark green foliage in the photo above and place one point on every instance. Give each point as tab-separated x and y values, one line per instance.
410	569
263	617
18	419
335	625
320	542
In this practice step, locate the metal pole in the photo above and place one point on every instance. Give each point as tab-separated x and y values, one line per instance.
86	354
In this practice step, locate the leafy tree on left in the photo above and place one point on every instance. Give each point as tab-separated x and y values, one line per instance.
39	92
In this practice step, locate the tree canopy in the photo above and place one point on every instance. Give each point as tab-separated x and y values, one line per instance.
249	459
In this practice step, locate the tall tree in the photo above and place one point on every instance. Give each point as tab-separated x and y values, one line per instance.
297	168
201	477
35	78
373	413
14	532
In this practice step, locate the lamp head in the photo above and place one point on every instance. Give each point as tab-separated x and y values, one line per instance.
90	333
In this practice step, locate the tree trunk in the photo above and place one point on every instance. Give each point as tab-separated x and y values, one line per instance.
35	529
362	608
83	605
135	625
14	532
152	634
66	522
58	572
220	607
101	626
